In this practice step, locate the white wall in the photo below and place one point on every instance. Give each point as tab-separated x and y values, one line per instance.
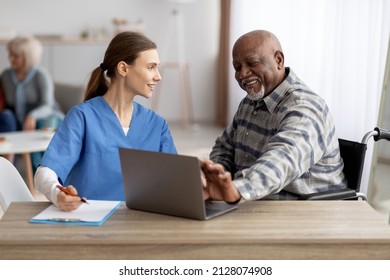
201	26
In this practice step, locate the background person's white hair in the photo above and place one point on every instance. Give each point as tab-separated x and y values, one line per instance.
28	46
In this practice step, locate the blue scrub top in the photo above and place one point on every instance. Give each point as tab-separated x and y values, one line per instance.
84	151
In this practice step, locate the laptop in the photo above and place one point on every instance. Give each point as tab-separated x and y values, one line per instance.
167	184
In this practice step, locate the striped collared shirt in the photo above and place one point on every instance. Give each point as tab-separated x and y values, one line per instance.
286	141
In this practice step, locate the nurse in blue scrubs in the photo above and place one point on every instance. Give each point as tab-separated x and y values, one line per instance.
83	154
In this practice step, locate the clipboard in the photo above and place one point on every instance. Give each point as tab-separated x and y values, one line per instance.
93	214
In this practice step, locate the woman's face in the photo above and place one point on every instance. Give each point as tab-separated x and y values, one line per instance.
143	74
16	60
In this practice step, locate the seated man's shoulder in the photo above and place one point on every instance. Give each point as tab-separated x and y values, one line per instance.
302	94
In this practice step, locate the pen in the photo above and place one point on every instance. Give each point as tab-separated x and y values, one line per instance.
68	193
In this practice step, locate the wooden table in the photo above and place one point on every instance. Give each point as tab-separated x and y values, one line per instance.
25	143
257	230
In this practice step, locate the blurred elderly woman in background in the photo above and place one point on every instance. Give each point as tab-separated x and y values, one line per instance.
28	89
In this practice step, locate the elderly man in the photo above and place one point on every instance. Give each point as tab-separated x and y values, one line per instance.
282	139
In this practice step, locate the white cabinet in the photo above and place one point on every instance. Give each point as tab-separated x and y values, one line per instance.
74	63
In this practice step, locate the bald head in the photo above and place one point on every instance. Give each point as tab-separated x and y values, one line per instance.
261	38
259	63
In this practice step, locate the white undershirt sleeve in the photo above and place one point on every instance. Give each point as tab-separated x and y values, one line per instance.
46	181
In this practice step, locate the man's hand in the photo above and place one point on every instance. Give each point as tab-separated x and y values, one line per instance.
218	184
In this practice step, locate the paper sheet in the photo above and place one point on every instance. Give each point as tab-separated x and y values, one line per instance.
94	213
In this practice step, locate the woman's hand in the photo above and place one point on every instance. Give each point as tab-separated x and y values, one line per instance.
29	123
68	202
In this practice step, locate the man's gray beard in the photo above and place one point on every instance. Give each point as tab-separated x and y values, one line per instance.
256	95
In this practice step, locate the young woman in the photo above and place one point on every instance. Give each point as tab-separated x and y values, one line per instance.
83	155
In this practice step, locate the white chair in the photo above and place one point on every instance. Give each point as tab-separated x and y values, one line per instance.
12	185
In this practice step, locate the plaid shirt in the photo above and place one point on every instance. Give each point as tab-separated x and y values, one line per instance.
286	141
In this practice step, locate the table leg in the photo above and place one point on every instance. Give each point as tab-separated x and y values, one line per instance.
9	157
29	172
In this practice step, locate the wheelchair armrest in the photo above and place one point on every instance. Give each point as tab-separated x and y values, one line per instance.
341	194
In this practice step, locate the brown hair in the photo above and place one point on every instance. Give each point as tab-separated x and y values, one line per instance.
126	47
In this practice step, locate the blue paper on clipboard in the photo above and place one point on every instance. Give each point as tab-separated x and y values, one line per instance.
93	214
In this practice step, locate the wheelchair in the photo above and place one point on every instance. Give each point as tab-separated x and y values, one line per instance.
353	154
